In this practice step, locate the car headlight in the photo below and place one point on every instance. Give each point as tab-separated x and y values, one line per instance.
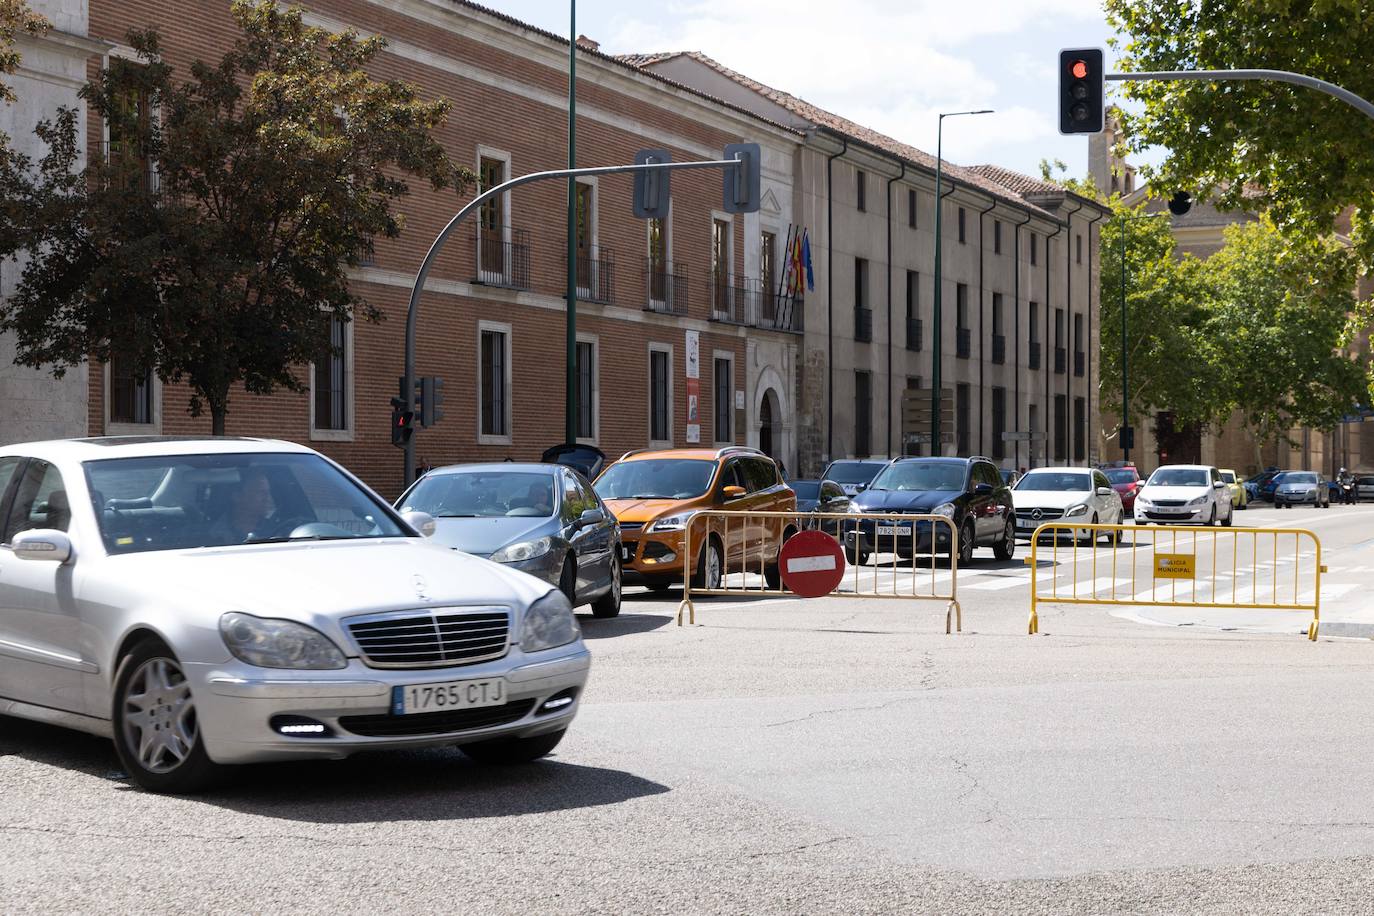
668	523
525	550
270	643
945	509
856	510
1142	502
549	623
1080	509
1200	501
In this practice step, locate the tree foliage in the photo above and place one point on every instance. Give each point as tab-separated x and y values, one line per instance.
212	241
1302	156
15	19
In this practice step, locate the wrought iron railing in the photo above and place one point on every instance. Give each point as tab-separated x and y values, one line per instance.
913	333
963	342
128	165
1078	360
595	274
863	324
502	256
1060	356
1033	355
999	348
776	311
665	286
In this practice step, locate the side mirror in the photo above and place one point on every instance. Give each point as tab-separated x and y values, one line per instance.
43	544
1104	491
1218	485
860	488
591	517
982	489
732	492
422	522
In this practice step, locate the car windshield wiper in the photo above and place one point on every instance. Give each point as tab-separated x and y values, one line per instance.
456	515
286	539
647	496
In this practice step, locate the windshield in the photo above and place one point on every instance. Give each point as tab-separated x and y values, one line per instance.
484	494
1179	477
806	489
1057	481
178	501
1365	481
852	472
1121	475
1299	478
656	478
920	475
1228	477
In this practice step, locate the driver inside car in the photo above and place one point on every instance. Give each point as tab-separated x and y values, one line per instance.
249	512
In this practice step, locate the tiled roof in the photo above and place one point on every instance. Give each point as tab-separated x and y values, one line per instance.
821	118
1021	184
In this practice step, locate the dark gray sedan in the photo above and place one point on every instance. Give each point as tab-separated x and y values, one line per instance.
542	519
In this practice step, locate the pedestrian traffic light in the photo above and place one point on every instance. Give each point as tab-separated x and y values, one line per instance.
402	421
1180	203
1082	91
652	187
431	391
741	183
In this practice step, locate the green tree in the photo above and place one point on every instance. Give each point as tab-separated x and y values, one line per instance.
15	19
1300	155
1281	316
211	243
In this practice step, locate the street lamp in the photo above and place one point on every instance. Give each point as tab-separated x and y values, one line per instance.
1125	377
935	432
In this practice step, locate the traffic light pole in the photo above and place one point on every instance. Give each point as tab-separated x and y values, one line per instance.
1280	76
413	310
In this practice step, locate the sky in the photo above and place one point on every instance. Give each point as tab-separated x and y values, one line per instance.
892	65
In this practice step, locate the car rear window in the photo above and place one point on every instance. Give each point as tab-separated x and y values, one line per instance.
852	472
1121	475
806	489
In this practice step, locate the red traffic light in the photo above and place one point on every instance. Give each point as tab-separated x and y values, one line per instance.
1079	69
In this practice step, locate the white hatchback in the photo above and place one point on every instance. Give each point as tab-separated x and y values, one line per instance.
1184	494
1065	494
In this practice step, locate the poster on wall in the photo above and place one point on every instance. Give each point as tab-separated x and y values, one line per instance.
693	354
693	361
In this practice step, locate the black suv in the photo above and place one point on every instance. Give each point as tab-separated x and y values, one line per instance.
970	491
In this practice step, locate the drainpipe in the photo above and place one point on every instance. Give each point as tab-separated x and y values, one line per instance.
937	323
830	300
1016	341
1088	382
1068	329
890	183
982	331
1049	360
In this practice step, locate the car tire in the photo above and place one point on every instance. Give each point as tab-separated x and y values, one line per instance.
658	586
772	573
1090	538
508	751
967	541
567	580
710	566
151	688
1005	549
854	556
1212	518
608	605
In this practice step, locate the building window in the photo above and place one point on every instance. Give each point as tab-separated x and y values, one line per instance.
720	265
724	399
1078	240
1059	350
494	382
586	389
1080	429
911	207
131	392
126	152
863	414
962	237
913	320
1078	352
999	422
658	260
999	339
863	315
861	190
1061	428
660	395
963	333
1033	247
331	380
491	223
768	264
997	236
962	420
585	230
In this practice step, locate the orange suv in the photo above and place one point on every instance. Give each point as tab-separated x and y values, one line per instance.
653	493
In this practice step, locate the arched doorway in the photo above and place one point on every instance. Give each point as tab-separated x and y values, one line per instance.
767	439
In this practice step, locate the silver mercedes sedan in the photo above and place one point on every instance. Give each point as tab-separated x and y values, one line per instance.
206	602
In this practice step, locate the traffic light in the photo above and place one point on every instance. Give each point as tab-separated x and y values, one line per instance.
741	183
431	392
652	188
1180	203
402	421
1082	91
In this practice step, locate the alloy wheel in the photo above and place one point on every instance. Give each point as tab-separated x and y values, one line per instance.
160	723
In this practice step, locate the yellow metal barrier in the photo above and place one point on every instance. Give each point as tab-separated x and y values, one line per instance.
1163	566
751	541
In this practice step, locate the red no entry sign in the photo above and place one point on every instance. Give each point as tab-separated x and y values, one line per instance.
812	564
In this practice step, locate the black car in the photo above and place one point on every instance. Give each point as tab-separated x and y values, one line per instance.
969	491
853	474
820	496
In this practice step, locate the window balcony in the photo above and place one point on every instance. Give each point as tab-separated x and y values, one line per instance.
665	286
595	272
1060	357
127	164
773	310
963	342
730	303
1033	355
863	324
1078	360
503	257
913	333
999	349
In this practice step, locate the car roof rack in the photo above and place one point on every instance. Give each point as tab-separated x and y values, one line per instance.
740	450
633	451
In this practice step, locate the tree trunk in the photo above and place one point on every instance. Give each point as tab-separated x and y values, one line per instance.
219	409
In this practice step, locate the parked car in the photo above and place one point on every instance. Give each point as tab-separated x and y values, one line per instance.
654	493
1125	480
853	474
225	601
820	496
542	519
1184	494
1073	494
587	460
969	491
1255	482
1010	476
1240	499
1264	490
1364	486
1302	488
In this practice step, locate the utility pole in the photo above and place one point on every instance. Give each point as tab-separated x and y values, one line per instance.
570	394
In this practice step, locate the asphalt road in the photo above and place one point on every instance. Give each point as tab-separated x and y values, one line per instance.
786	756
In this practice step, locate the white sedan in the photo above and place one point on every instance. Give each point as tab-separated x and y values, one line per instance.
1064	495
1184	494
234	600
